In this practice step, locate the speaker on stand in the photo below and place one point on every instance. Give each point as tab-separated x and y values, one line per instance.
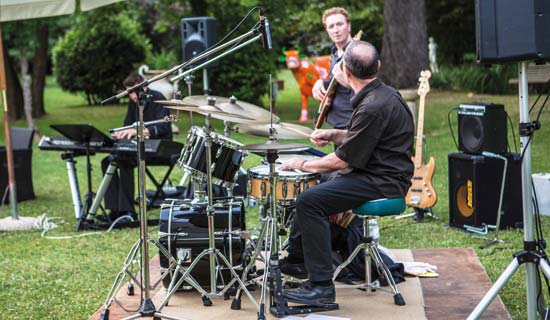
509	30
197	35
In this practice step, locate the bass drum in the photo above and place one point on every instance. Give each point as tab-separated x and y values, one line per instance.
183	231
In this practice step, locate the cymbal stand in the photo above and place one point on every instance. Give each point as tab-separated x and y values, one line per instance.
147	308
212	252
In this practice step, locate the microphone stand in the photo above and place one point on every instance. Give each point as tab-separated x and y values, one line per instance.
201	56
147	308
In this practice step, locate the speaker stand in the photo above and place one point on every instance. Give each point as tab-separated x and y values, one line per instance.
530	256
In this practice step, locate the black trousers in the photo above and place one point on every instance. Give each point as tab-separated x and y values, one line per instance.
120	193
310	235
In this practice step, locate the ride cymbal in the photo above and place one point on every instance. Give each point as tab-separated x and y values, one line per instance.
283	130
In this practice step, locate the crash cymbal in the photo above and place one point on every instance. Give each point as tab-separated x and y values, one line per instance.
283	130
272	145
175	103
215	113
234	106
220	115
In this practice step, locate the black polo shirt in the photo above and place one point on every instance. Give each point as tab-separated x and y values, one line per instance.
151	111
379	142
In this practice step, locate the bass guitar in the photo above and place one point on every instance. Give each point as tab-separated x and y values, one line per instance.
421	193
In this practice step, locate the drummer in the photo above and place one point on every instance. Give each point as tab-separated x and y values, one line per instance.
373	157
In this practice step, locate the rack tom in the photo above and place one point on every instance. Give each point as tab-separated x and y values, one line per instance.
226	158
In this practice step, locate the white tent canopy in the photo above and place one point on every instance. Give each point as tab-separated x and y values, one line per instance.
11	10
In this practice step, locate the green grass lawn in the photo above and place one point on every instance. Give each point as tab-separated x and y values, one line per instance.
69	279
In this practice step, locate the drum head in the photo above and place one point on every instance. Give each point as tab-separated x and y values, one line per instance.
263	172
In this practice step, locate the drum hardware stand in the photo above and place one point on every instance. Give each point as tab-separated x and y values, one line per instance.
212	252
533	258
147	308
269	238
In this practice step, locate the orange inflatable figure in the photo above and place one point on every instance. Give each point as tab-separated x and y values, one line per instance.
307	72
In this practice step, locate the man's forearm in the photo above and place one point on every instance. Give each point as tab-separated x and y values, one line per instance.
338	135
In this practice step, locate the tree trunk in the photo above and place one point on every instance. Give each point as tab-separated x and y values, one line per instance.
27	95
13	91
405	42
39	67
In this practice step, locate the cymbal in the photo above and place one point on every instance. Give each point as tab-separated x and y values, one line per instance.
221	115
284	130
234	106
214	112
175	103
272	145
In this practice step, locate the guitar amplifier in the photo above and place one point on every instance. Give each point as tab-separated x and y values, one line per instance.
183	231
474	190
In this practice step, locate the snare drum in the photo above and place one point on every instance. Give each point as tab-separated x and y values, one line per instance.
226	158
289	184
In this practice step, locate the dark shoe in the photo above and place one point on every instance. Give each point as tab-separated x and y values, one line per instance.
311	294
296	270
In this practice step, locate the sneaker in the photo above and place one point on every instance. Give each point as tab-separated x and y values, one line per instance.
296	270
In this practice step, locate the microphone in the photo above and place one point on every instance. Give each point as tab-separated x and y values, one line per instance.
265	30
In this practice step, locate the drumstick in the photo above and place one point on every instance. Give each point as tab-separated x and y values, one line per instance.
307	135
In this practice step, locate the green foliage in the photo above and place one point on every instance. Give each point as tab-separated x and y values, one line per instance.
244	73
70	279
452	24
162	60
475	78
98	52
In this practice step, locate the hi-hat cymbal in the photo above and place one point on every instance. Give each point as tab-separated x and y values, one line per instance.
272	145
234	106
283	130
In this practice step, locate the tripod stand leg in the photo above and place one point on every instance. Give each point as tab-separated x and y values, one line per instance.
73	183
117	284
102	190
495	289
236	304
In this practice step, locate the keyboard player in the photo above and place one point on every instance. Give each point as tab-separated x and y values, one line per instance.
119	197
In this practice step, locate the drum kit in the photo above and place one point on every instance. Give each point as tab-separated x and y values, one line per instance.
211	159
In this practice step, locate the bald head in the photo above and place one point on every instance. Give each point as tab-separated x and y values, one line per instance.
361	59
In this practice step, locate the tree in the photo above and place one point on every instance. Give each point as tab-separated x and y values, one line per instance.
28	42
405	42
14	92
456	18
98	52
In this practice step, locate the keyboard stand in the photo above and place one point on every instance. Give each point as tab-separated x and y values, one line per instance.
159	194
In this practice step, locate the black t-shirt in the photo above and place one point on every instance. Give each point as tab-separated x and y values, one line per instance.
379	142
340	109
151	111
